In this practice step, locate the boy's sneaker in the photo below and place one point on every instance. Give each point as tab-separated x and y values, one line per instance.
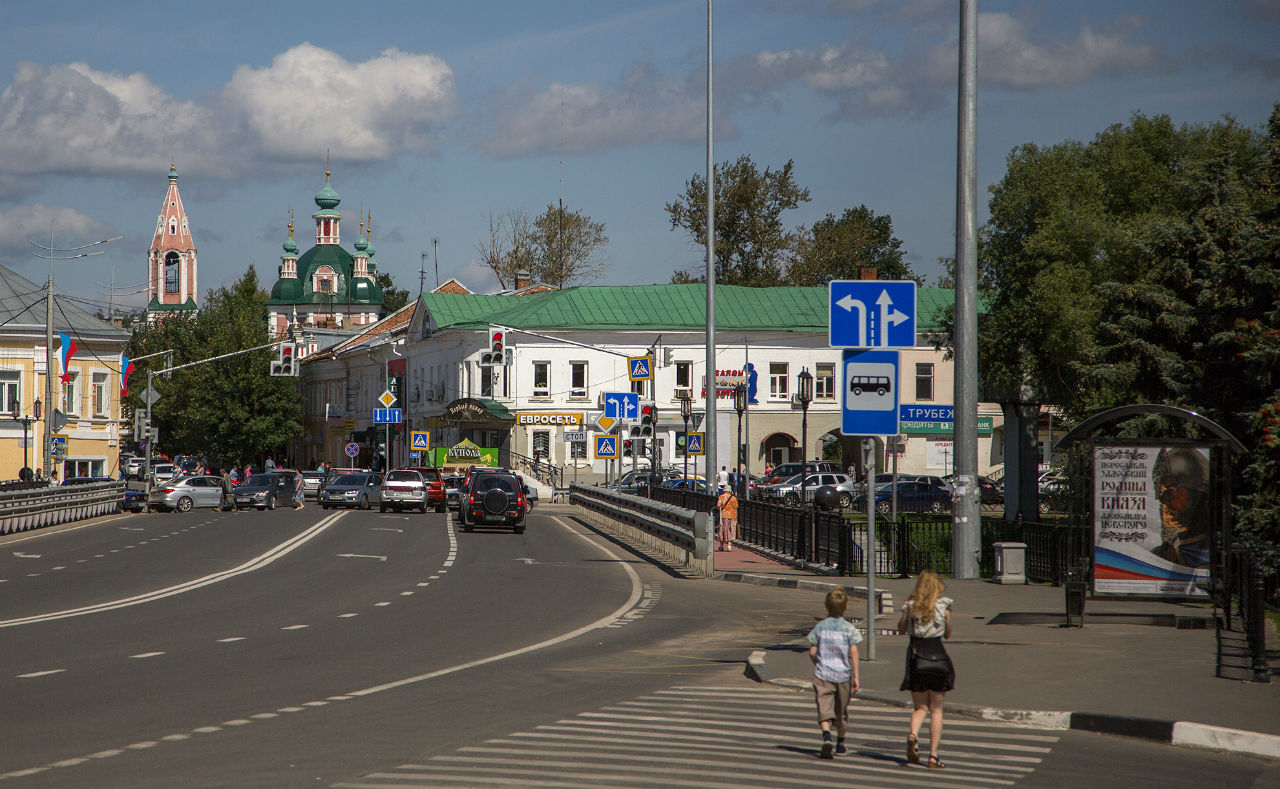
828	747
840	749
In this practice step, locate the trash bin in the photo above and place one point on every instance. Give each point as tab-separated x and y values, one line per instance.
1011	562
1077	590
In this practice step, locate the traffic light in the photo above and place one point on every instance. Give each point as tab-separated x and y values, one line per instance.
646	420
668	357
496	345
140	425
627	449
285	365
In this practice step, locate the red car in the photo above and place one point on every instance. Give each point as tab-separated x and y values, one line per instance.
432	478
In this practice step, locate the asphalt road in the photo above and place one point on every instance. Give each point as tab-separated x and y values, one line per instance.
318	649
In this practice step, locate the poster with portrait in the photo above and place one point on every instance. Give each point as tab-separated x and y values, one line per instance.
1152	520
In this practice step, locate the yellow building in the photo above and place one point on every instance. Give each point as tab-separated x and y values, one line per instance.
89	398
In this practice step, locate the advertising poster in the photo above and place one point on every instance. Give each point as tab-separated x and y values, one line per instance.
462	456
1151	520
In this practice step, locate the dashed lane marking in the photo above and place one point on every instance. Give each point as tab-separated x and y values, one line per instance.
45	673
146	655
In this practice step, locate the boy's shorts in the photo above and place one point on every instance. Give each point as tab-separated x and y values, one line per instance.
832	698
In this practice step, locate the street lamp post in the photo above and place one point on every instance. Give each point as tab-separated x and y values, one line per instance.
740	405
48	328
686	411
26	425
805	395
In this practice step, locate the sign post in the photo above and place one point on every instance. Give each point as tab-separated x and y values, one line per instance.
869	546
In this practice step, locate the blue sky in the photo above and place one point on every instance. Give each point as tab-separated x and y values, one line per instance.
439	114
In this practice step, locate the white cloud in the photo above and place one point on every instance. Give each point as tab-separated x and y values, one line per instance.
646	107
73	119
310	100
1009	54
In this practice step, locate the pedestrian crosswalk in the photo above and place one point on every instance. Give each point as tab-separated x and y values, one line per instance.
739	737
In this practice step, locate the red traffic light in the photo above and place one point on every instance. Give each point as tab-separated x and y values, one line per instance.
646	410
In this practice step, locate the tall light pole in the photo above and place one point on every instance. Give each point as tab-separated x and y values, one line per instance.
70	253
686	412
709	441
805	395
740	405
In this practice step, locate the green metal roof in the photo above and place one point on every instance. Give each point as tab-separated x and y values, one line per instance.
657	307
155	306
301	290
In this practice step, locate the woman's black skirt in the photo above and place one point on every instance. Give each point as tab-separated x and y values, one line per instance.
928	648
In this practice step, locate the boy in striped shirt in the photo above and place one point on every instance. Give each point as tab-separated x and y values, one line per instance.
834	652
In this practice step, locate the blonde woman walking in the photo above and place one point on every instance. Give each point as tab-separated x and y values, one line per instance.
926	617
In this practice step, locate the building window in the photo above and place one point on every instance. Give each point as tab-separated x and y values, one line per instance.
486	381
924	380
10	391
100	400
684	374
778	380
542	379
824	383
173	226
639	388
70	404
171	272
542	443
577	379
578	450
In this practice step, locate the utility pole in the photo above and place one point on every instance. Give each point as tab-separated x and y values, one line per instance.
709	445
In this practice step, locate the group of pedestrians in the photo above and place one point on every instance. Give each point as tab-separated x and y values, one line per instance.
929	674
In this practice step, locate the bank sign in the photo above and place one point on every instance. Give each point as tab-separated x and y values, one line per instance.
928	418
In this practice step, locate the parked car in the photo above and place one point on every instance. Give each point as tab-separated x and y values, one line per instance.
913	496
133	466
991	492
182	494
360	491
496	498
452	485
311	482
265	491
403	489
431	477
788	491
163	471
134	501
687	483
786	471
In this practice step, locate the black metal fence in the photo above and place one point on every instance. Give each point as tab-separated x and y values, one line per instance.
1248	588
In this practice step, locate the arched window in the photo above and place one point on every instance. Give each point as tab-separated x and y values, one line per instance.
171	272
173	226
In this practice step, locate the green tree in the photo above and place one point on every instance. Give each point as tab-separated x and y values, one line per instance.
567	247
753	246
840	248
393	298
510	249
231	409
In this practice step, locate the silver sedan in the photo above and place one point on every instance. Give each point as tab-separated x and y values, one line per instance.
789	491
186	493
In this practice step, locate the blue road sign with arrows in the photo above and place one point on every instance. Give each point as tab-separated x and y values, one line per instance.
606	447
623	406
387	416
869	313
870	393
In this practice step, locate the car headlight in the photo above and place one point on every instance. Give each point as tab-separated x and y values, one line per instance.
351	494
262	494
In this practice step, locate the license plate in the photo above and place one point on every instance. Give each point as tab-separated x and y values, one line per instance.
494	518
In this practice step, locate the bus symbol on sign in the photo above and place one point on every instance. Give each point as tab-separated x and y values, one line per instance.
880	384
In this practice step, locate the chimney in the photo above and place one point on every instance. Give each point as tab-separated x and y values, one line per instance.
867	272
523	280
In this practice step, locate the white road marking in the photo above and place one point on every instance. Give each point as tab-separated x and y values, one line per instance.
132	528
253	564
175	737
315	703
345	616
22	555
60	567
207	729
387	528
107	754
296	627
361	556
229	640
237	722
291	709
41	673
142	746
405	594
384	603
448	563
424	583
147	655
265	715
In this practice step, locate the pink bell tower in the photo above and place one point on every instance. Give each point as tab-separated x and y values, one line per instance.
171	260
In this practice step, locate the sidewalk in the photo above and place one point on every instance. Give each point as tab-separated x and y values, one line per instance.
1135	668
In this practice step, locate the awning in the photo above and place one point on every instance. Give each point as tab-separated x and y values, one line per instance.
474	409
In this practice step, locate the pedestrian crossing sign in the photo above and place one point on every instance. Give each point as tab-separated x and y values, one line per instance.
640	368
606	447
693	444
421	440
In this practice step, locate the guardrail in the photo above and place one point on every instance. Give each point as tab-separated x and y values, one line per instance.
684	535
37	508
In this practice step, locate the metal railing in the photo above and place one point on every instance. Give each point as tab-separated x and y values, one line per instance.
1248	593
36	508
687	530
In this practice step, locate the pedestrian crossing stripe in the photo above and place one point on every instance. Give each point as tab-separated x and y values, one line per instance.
421	439
743	736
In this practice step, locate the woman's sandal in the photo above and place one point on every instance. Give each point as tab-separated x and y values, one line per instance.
913	749
935	763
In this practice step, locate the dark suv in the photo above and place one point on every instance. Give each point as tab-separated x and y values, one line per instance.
494	499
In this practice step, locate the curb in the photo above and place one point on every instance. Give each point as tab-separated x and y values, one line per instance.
1181	733
733	576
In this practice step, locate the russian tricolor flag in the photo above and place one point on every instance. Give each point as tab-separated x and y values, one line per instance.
126	368
68	350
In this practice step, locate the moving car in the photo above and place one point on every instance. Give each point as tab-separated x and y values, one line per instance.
265	491
403	489
358	490
452	486
182	494
431	477
163	471
495	499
